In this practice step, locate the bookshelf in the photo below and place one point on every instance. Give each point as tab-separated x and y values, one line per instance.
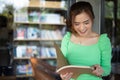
36	27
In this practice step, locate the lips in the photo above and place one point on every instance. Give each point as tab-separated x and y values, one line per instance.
83	32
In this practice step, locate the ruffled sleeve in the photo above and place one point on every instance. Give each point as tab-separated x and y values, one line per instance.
64	44
105	47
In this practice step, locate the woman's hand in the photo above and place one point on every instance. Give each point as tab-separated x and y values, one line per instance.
98	71
66	76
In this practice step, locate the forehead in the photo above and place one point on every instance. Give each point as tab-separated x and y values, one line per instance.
82	17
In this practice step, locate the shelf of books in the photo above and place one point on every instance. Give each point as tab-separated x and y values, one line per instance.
36	27
44	23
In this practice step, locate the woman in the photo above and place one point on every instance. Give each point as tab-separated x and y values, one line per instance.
82	46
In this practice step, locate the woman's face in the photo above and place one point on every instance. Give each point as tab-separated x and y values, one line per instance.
82	24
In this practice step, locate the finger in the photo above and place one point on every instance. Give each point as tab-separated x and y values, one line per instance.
95	66
98	72
69	76
64	76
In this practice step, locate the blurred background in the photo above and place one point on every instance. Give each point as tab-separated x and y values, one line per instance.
17	41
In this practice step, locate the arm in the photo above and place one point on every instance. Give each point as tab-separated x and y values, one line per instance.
106	49
64	44
64	49
104	68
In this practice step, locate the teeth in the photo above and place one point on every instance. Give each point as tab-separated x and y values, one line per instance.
83	31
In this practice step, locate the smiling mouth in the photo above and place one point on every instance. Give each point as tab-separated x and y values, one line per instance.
82	32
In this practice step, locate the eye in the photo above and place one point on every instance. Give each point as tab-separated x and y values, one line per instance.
86	23
76	24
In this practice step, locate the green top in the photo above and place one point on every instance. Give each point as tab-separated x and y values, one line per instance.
99	53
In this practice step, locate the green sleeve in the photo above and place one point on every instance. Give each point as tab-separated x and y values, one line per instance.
105	47
64	44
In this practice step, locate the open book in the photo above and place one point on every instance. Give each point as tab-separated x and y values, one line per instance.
61	60
64	67
76	70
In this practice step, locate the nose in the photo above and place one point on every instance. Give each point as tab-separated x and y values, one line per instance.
82	27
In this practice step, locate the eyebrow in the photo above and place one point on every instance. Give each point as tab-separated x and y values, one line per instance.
83	21
86	21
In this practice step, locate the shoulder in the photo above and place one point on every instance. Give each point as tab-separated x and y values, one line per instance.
67	35
104	37
104	41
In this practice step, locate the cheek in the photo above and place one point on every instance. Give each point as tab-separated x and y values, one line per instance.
89	26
